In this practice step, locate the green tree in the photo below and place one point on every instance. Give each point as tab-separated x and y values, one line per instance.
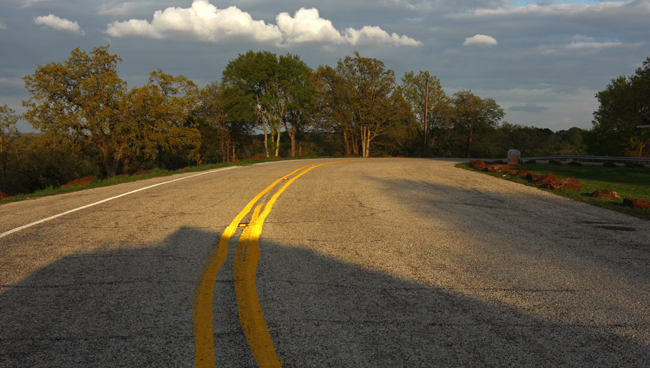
157	119
277	91
296	93
624	105
371	104
80	100
473	116
8	134
249	86
333	111
227	131
414	89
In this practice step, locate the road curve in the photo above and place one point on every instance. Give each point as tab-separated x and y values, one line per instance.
360	263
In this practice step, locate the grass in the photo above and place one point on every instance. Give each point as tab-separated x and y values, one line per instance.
629	183
129	178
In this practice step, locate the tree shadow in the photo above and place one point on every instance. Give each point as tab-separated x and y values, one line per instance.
133	308
325	313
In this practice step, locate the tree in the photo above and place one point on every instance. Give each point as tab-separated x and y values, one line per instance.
278	90
333	110
414	89
157	115
249	86
624	105
361	95
295	88
80	100
473	115
212	110
8	133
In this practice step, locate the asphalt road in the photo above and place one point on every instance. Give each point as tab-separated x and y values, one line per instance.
362	263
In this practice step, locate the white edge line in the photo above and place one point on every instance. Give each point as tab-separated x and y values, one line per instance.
109	199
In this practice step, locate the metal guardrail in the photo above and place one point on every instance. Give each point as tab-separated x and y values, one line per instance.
581	157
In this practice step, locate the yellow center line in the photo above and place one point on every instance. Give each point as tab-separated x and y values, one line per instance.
202	316
247	257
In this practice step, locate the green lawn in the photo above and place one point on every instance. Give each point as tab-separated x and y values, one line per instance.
629	183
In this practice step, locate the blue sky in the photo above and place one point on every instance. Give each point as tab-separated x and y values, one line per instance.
542	61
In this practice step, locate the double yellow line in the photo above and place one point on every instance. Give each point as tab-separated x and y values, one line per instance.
247	256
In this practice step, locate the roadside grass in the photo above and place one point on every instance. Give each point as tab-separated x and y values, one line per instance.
129	178
629	183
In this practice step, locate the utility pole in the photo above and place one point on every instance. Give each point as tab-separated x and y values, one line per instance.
426	115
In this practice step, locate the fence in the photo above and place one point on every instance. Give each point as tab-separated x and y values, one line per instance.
592	158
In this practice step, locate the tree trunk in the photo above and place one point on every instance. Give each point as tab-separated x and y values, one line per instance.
277	143
266	140
469	143
111	163
292	136
364	141
355	143
347	142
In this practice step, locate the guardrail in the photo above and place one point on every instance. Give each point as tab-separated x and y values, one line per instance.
581	157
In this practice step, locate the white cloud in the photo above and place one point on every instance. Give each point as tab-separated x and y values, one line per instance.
564	10
204	22
593	45
307	26
374	35
3	25
112	9
59	24
480	40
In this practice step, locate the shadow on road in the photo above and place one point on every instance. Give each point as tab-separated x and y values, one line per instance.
133	308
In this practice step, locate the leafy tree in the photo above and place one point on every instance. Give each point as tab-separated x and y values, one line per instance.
8	134
296	91
624	105
8	131
249	86
228	132
361	95
157	115
80	100
414	89
472	116
276	90
333	111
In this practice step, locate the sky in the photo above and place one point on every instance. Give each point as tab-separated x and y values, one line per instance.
542	61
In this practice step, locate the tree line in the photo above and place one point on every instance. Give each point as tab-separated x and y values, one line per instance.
90	123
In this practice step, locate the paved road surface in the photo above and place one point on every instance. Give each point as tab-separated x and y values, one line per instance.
362	263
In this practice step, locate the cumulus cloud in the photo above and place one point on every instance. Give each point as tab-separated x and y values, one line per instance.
529	107
480	40
204	22
59	24
374	35
3	25
307	26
